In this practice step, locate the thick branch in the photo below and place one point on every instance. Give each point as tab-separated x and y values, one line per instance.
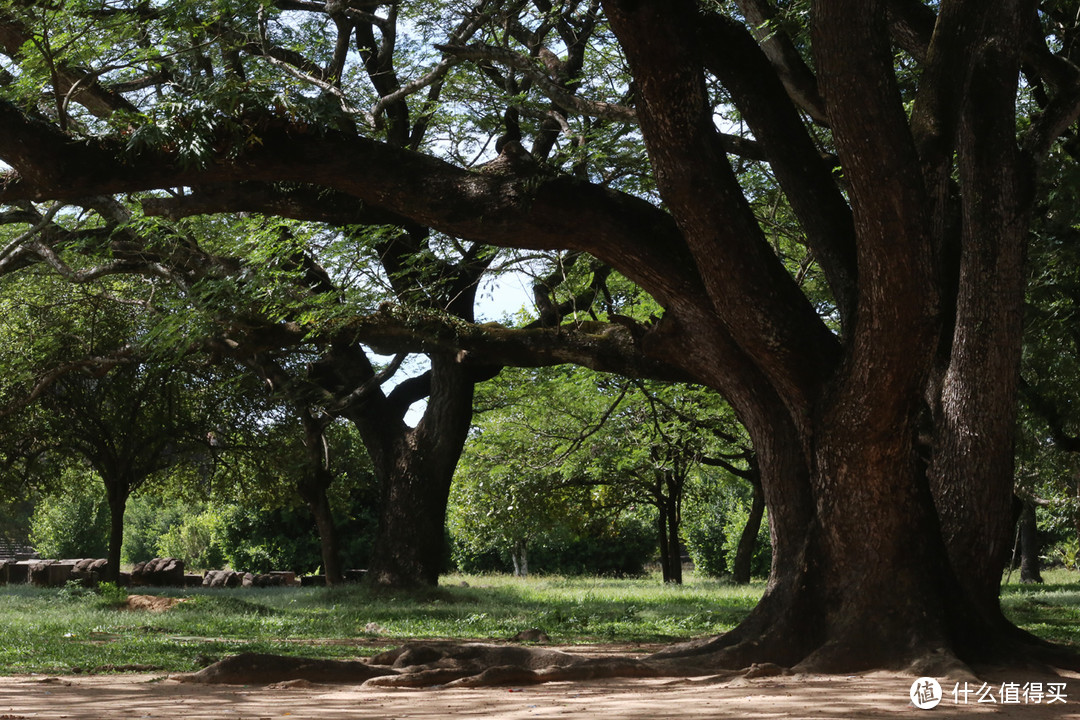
506	210
798	79
601	346
806	179
758	301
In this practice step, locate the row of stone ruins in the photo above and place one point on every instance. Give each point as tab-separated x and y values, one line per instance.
159	572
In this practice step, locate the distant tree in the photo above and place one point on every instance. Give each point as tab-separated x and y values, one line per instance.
594	443
71	522
77	391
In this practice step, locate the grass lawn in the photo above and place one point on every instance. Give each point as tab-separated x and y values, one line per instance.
72	630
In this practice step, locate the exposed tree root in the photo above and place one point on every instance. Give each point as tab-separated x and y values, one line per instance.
260	669
450	664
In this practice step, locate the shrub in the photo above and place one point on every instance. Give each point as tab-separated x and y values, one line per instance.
733	530
619	549
198	540
147	520
713	527
71	525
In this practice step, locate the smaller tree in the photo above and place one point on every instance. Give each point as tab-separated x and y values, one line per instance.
79	390
594	444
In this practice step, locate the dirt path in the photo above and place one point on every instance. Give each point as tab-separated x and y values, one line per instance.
871	697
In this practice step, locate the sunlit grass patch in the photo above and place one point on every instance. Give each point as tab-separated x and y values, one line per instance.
69	630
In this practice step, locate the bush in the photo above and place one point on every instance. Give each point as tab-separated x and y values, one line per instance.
712	530
733	530
618	549
198	540
71	525
705	543
110	595
147	520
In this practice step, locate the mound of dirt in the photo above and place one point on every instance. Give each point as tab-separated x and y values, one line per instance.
151	603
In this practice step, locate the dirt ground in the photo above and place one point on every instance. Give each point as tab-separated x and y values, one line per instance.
872	696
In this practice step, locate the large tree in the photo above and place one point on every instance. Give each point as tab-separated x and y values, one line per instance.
882	415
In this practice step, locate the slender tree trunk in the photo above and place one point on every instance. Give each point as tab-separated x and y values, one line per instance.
744	554
329	538
661	533
1029	545
116	490
673	544
674	553
313	487
519	556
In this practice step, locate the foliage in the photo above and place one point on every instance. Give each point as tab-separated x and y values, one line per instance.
733	529
111	595
147	519
713	526
536	472
74	522
198	540
618	548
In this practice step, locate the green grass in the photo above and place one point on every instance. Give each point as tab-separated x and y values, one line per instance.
1050	610
67	631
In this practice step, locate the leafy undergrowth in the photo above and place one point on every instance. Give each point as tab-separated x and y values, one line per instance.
70	631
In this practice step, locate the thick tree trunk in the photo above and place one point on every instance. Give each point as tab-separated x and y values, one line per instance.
744	553
415	468
885	452
410	543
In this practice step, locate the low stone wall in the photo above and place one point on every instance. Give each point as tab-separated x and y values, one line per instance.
159	572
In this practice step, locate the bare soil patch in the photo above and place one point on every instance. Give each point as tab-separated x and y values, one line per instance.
151	603
873	696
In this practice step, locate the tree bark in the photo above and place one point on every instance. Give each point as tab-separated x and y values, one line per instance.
662	535
673	513
519	555
415	467
887	515
116	491
313	487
